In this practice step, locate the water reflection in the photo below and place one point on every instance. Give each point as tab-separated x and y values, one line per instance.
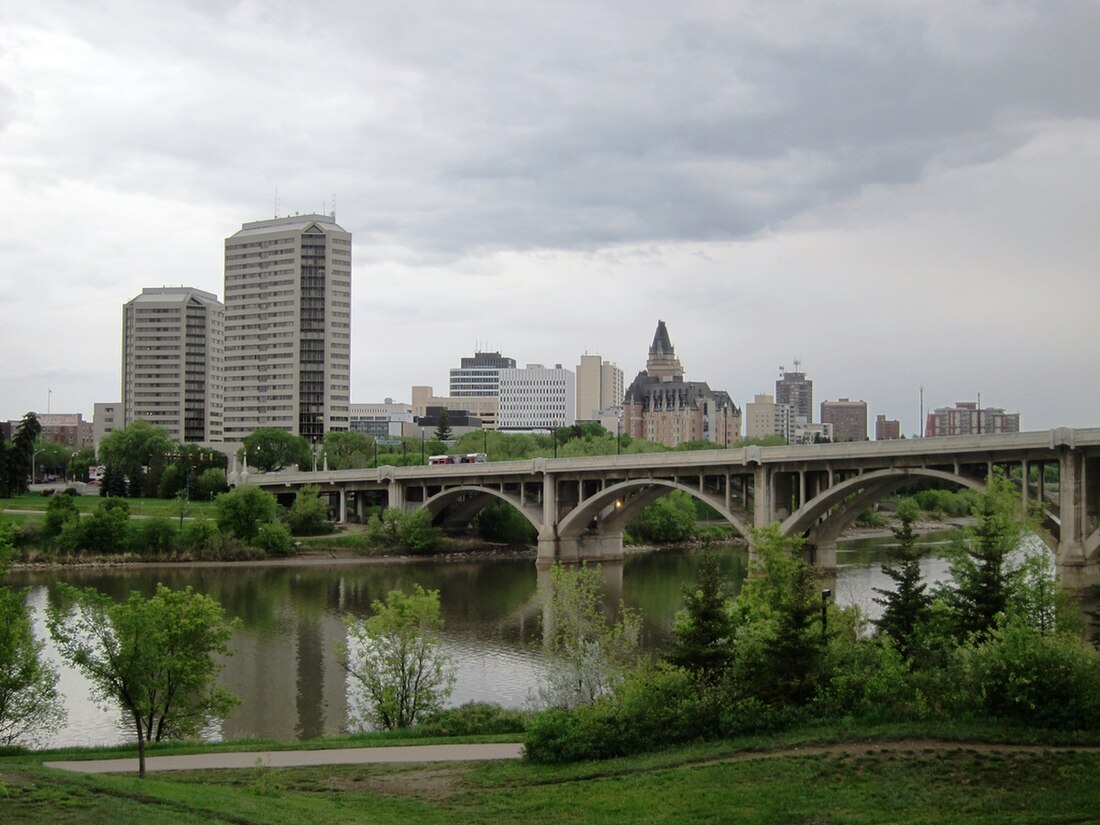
285	669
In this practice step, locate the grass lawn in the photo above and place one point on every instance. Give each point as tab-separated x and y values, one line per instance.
86	504
907	781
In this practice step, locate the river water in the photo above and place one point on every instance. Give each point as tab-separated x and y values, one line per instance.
284	668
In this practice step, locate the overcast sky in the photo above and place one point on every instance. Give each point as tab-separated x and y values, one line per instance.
899	194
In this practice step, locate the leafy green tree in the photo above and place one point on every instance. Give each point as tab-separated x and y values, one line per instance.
269	449
410	532
154	658
51	458
60	510
308	515
396	659
703	631
209	483
139	452
29	705
348	450
240	512
670	518
986	578
273	538
780	643
80	462
105	530
589	654
907	607
15	456
501	522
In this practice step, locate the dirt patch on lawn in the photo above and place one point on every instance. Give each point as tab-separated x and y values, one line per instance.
422	783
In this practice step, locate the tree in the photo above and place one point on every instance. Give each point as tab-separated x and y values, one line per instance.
670	518
139	452
154	658
269	449
985	577
906	608
16	455
210	482
348	450
395	656
780	641
240	512
80	462
443	428
51	458
104	531
590	655
308	514
29	704
703	629
60	511
410	532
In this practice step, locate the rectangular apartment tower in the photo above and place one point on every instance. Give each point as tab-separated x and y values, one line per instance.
288	327
172	362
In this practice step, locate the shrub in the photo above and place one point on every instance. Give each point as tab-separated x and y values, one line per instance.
670	518
197	534
308	515
154	536
1020	674
241	512
475	718
274	538
408	532
60	510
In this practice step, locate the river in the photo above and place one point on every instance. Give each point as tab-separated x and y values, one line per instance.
284	668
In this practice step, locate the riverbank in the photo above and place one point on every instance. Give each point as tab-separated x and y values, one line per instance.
898	775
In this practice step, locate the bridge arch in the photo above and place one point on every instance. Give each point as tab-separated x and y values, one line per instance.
823	524
473	499
631	496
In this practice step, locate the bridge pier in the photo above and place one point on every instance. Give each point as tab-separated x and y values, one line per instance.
589	547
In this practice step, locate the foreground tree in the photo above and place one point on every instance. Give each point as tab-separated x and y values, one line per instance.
907	607
780	638
29	704
395	658
590	654
703	629
986	576
270	449
154	658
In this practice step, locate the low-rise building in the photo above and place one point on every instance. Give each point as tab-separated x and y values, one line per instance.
887	429
966	418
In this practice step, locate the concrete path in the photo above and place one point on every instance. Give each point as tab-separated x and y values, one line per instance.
296	759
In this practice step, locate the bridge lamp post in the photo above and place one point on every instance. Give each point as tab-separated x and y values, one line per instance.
619	437
825	594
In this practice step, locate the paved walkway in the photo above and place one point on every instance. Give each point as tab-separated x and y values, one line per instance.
297	759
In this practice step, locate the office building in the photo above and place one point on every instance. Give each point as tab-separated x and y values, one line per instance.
794	389
106	418
849	419
599	389
379	420
764	417
172	362
479	376
484	407
537	398
288	327
660	406
886	429
965	418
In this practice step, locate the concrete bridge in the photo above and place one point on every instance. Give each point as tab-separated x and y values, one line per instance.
579	506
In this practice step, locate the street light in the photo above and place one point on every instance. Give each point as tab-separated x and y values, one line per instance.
34	455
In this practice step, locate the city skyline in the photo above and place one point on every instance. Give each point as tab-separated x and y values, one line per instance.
898	196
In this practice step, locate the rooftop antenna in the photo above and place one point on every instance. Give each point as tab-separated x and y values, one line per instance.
797	364
334	206
276	201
